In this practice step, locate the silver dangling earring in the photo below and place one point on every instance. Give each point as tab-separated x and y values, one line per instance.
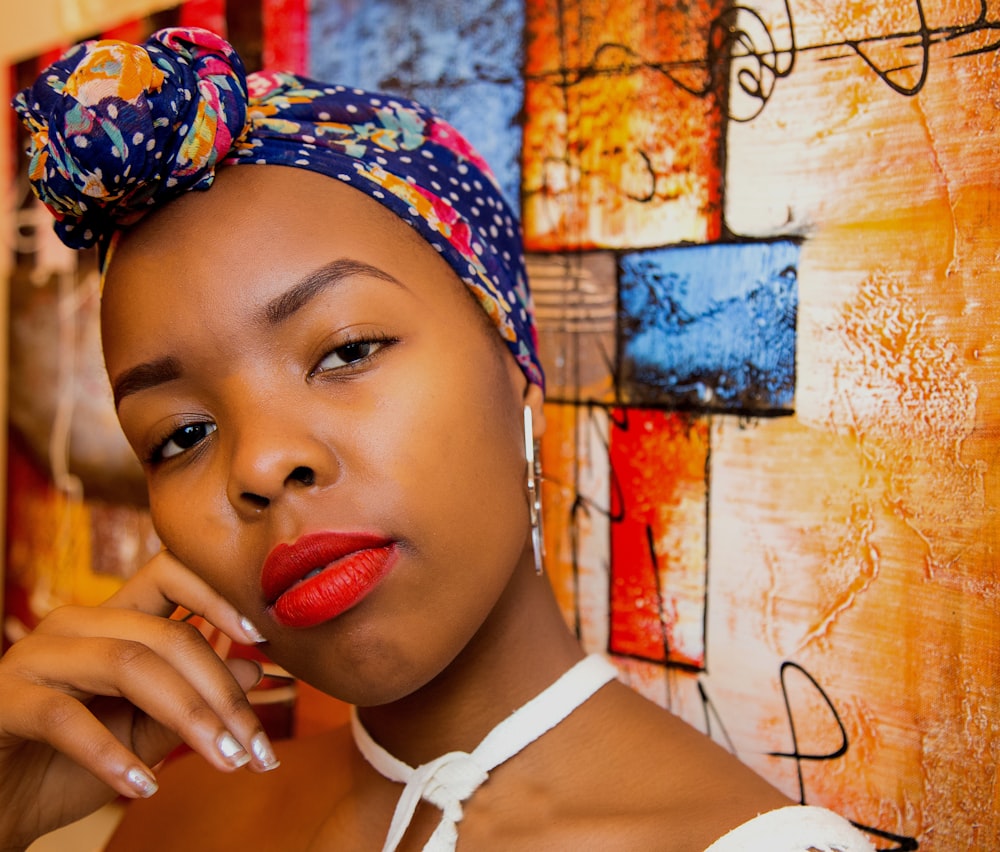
534	491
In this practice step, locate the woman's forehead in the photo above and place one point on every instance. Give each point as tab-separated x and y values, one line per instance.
267	198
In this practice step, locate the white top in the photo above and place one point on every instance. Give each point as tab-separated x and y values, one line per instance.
796	828
452	778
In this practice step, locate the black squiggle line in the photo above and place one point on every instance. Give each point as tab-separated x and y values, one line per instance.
741	46
795	754
925	47
709	710
905	843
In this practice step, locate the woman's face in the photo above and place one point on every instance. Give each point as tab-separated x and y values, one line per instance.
306	381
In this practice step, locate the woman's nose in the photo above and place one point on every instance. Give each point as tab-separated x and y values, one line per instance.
270	461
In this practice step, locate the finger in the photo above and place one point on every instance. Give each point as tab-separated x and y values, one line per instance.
131	670
248	673
152	741
166	668
164	583
55	718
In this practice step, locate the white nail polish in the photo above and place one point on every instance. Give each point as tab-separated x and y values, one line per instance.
230	748
251	630
142	782
260	745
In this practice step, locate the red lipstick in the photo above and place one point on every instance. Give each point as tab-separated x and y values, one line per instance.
322	575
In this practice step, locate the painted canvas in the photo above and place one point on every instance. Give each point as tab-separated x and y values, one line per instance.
849	598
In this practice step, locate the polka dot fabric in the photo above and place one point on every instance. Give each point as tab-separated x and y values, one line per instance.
186	92
116	129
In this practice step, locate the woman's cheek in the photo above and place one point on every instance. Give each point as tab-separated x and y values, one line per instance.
198	542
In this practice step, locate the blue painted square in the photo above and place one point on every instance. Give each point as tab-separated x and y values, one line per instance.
461	57
710	327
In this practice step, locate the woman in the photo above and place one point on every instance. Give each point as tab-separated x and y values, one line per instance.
338	445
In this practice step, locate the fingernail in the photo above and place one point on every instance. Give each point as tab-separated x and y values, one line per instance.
261	747
251	630
230	748
142	782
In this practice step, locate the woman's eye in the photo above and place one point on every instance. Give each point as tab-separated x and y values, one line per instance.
348	354
183	439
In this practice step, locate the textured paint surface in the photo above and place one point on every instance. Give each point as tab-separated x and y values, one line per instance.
59	541
577	489
286	37
461	58
710	327
868	550
575	307
852	614
658	536
210	14
617	151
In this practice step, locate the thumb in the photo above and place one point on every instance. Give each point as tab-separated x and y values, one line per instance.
248	673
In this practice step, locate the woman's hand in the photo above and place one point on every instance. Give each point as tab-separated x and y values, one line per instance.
96	696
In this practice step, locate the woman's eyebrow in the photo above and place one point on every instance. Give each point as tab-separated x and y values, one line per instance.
299	294
145	376
152	373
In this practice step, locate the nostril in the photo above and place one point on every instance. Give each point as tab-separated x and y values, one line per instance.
256	500
303	475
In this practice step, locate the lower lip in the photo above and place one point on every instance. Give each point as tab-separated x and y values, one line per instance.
337	588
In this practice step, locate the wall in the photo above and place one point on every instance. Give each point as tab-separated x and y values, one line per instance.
763	243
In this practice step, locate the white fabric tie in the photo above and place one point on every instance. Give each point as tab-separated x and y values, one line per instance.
452	778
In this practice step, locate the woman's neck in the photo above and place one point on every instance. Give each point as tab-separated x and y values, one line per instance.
521	649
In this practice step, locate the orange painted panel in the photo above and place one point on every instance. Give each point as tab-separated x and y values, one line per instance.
659	464
618	152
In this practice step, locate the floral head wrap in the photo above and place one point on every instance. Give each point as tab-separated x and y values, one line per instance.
119	129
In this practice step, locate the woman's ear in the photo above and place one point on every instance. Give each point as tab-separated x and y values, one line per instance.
534	398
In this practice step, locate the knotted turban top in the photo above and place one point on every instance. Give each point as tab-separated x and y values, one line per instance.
118	129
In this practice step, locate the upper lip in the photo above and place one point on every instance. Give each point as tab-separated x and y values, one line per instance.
287	564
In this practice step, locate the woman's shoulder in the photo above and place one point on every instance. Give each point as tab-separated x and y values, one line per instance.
689	793
620	773
674	760
797	828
